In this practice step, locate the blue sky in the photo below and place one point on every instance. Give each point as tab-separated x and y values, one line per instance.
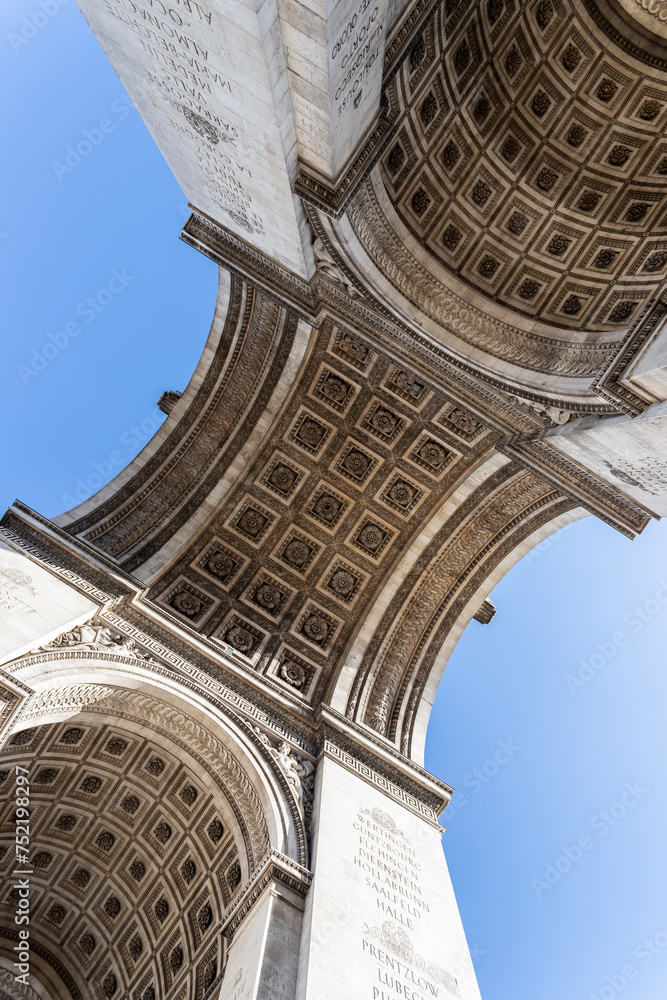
549	721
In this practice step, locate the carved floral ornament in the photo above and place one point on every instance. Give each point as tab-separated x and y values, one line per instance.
100	911
530	135
399	656
147	711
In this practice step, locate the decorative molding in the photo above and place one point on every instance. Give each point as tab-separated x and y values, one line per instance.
655	8
181	730
628	44
11	987
332	198
13	694
352	763
439	366
573	481
276	869
382	757
68	575
169	489
465	321
365	312
247	263
403	37
220	677
609	385
118	648
261	711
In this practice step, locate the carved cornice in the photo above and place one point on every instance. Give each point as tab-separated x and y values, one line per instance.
333	198
609	385
369	315
572	480
276	870
247	263
212	675
74	571
292	772
379	762
451	312
403	37
351	762
199	682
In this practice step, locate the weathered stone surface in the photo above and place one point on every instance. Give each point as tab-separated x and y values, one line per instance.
35	606
222	665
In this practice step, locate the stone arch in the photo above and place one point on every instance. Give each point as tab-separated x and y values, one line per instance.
434	230
392	673
245	369
136	872
134	859
108	682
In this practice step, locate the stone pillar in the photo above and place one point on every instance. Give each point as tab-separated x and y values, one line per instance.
381	920
198	75
629	453
264	929
35	605
238	94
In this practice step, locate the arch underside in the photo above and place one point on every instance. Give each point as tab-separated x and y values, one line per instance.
370	440
517	209
146	826
366	493
133	859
